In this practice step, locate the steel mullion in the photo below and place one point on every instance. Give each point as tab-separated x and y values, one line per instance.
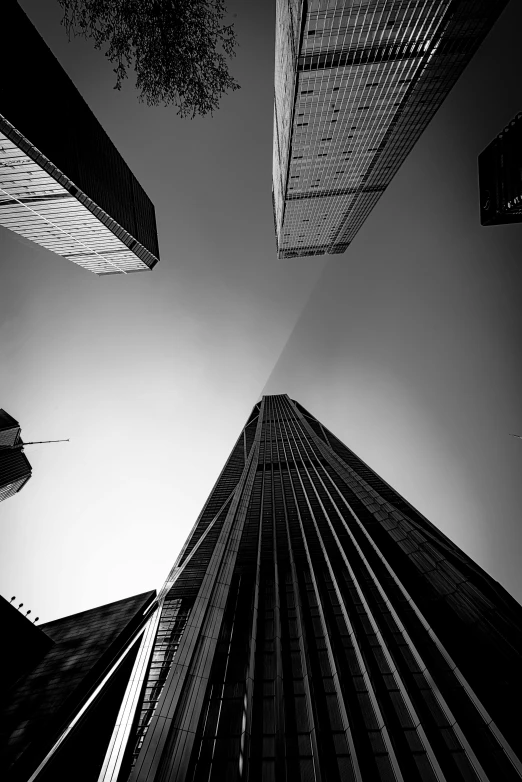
203	623
246	727
423	667
453	667
389	659
333	667
121	732
280	762
371	693
299	620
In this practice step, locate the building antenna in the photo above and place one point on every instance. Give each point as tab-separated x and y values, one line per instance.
20	445
38	442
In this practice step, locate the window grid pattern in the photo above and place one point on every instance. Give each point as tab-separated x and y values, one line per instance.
40	204
10	433
10	489
15	470
369	77
8	437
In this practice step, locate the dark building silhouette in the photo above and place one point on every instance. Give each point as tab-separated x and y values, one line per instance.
500	177
51	712
63	183
315	626
356	84
15	469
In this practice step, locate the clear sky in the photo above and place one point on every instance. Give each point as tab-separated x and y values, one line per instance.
407	346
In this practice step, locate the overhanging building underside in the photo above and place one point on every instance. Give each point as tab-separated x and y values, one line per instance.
63	183
40	203
356	83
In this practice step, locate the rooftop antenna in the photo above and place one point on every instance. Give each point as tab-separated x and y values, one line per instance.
20	445
35	620
13	598
38	442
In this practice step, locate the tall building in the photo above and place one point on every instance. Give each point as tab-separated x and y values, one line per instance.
63	183
316	627
61	687
356	84
500	177
15	469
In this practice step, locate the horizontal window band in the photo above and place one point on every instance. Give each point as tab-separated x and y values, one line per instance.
340	191
374	54
35	199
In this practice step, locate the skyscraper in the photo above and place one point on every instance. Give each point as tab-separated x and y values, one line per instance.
356	84
15	469
315	626
63	183
500	177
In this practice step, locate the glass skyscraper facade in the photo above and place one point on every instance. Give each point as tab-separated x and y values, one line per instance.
15	469
500	176
315	626
63	183
356	83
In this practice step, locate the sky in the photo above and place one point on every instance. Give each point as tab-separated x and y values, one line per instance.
406	347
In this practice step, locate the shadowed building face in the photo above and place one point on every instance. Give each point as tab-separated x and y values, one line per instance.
355	86
51	688
500	177
316	626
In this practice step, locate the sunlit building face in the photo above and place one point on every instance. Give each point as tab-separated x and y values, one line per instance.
356	83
